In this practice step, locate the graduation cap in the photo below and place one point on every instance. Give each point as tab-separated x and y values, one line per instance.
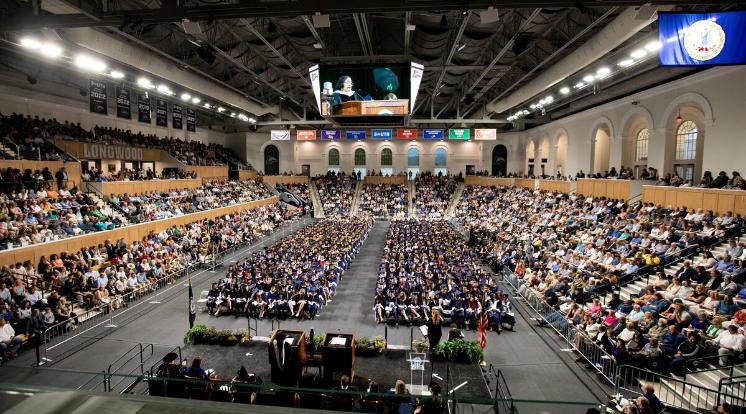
385	80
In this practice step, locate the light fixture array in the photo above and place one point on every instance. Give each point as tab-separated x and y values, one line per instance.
95	65
636	56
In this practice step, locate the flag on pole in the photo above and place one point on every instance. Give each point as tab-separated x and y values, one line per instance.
482	331
192	313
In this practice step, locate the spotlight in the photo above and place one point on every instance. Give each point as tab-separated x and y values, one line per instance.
30	43
588	78
185	96
145	83
532	106
89	63
579	85
549	98
626	62
221	109
163	89
638	54
207	105
564	90
195	100
252	120
653	46
116	74
602	72
51	50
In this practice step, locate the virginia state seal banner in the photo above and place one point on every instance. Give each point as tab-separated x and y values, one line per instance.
692	39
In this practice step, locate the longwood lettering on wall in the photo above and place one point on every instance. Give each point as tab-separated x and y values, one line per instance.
113	152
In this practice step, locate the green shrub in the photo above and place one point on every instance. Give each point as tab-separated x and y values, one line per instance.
460	350
195	335
318	340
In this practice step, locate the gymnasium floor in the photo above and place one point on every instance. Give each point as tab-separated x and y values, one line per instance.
531	360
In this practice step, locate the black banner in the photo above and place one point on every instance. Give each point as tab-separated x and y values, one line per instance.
97	95
191	120
161	112
176	117
143	107
124	103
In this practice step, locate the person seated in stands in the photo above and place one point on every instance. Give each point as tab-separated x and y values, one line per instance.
9	342
686	350
399	400
729	342
649	352
195	370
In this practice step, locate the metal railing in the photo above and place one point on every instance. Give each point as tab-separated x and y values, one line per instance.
673	392
501	395
732	390
547	315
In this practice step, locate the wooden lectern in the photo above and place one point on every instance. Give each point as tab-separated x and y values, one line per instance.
362	108
338	357
287	356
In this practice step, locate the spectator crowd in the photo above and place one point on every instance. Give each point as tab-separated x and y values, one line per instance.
385	200
432	195
335	193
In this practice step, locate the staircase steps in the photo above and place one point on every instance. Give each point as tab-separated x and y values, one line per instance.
455	199
356	198
411	188
318	208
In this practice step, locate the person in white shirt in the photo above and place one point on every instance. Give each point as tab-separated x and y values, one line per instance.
729	342
9	342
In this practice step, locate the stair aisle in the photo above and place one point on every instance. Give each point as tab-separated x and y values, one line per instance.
356	198
455	199
410	191
318	208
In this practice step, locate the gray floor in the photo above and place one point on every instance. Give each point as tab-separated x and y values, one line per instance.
532	364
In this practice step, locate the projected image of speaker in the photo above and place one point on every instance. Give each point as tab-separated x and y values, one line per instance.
287	356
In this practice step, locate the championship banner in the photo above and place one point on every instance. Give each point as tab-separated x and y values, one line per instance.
693	39
305	135
330	134
124	103
406	133
355	134
485	134
191	120
381	134
97	96
143	107
461	134
279	135
161	112
433	134
176	117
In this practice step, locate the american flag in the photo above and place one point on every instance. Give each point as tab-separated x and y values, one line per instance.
482	331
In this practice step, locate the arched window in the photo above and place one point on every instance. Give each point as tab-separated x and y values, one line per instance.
641	145
440	157
686	141
271	160
334	157
387	157
413	157
360	157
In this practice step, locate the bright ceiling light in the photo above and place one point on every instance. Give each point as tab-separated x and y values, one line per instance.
30	43
145	83
207	105
564	90
626	63
252	120
163	89
51	50
653	46
89	63
549	98
532	106
588	78
638	54
233	114
116	74
243	117
185	96
579	85
195	100
221	109
602	72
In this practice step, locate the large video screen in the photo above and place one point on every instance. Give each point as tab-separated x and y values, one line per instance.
693	39
354	90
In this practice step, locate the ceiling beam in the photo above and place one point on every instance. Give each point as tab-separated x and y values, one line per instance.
364	42
407	32
25	19
248	26
314	32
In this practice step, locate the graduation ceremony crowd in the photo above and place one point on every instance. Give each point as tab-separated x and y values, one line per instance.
385	200
295	277
432	195
428	267
336	192
569	251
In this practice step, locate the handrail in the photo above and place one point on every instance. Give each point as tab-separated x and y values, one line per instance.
502	392
140	365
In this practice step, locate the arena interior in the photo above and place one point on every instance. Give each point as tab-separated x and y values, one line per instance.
372	206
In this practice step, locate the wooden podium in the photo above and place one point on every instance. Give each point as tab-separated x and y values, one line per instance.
362	108
287	355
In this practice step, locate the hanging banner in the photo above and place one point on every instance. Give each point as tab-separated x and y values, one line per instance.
485	134
143	107
330	134
279	135
191	120
692	39
97	96
355	134
176	116
124	103
406	133
161	112
381	134
433	134
305	135
459	134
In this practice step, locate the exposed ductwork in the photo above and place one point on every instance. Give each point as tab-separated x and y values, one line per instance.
615	33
